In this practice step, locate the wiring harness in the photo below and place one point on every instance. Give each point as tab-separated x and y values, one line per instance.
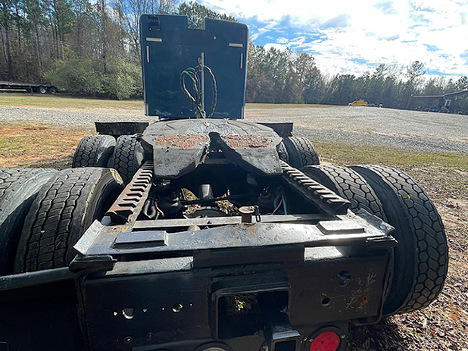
197	98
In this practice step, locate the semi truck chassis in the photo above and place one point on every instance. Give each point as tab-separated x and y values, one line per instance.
208	234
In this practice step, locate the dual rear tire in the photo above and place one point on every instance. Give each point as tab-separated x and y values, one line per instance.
124	154
57	207
60	207
61	212
421	256
44	212
127	157
18	189
94	151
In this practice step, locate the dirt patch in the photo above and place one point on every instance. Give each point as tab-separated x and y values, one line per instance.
35	145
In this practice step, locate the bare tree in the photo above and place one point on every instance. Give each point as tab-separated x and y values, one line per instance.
129	12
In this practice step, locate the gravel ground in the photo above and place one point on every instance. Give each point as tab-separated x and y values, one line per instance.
70	117
409	130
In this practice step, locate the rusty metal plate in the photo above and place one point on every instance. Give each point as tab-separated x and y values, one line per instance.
250	141
181	141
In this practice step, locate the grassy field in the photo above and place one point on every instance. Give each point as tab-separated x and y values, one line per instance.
33	145
64	101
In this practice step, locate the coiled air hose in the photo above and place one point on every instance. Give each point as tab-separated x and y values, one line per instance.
197	98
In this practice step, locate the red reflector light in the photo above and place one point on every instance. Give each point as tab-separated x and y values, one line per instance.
327	341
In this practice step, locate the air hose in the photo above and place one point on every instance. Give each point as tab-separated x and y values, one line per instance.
197	98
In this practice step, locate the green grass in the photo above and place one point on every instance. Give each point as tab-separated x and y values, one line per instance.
63	101
441	174
347	154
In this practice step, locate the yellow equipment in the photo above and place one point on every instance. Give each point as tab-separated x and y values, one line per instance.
360	102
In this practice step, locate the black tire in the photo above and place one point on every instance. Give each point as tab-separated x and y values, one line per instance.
94	151
299	152
127	157
421	256
42	90
62	211
349	185
18	188
52	90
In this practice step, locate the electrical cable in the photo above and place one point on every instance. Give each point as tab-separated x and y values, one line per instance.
277	207
196	98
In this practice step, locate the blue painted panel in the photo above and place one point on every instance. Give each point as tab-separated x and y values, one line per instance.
168	47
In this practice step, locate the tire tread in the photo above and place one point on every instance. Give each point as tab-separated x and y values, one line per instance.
300	152
93	151
18	189
422	225
55	217
127	157
349	185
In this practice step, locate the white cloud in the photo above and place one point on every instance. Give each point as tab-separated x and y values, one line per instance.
343	33
280	47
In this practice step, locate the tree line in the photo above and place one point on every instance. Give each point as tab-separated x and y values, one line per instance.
276	76
92	48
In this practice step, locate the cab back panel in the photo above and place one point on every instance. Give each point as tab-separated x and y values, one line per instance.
169	47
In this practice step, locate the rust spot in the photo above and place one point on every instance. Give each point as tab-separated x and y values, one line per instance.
181	141
253	228
247	141
363	299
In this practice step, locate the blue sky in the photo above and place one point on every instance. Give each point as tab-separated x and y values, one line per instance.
354	36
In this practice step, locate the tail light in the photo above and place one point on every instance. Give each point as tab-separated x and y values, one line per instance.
326	341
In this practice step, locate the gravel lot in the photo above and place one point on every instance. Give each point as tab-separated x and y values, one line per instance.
71	117
410	130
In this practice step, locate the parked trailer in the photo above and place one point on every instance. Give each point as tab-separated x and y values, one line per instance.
30	87
208	234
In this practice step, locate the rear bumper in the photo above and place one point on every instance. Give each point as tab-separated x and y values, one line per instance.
169	304
239	286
